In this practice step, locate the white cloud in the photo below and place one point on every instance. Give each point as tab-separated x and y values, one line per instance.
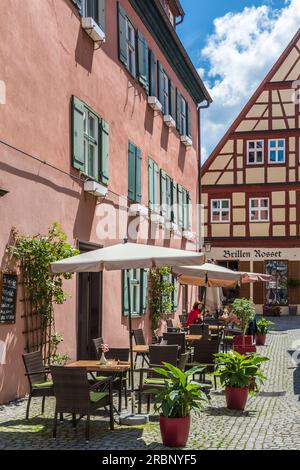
238	55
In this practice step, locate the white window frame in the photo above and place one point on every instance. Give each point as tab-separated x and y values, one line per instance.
91	142
131	47
259	209
277	149
220	210
255	150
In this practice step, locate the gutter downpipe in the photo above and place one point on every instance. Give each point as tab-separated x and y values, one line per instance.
199	108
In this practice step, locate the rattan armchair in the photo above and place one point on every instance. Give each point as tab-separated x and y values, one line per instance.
149	379
204	355
37	374
139	339
74	395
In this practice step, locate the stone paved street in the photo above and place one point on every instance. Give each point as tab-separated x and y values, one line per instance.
271	419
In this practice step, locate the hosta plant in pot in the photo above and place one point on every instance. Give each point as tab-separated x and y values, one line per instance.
244	310
263	328
240	375
175	403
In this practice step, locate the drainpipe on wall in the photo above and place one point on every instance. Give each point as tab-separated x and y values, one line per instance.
199	108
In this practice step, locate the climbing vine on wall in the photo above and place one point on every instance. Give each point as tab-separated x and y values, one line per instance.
160	295
42	290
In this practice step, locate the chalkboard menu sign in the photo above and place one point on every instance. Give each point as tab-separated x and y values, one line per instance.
8	297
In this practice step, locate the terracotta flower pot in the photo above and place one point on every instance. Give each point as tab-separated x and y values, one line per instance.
244	344
236	398
175	431
260	339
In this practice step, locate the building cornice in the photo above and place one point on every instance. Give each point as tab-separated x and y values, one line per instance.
153	16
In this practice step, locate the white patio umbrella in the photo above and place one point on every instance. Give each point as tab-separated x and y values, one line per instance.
127	256
214	298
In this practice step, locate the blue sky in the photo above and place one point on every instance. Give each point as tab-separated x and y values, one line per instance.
233	44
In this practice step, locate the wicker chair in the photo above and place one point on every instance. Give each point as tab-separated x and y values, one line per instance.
74	395
140	341
97	345
175	339
196	329
204	352
157	355
119	381
37	374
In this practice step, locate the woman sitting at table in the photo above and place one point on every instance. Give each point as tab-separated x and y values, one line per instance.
195	315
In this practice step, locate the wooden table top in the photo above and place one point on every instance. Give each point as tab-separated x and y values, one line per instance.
194	337
94	366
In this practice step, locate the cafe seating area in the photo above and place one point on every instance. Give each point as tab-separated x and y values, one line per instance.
84	388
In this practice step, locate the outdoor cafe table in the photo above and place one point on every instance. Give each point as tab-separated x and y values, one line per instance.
117	367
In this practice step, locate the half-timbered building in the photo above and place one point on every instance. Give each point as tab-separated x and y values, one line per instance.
251	189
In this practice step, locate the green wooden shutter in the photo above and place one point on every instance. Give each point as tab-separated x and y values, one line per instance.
189	212
151	183
174	203
122	34
144	290
131	172
163	193
169	197
101	14
152	74
180	205
104	152
172	94
184	207
143	63
78	134
155	186
178	110
189	121
160	82
125	306
138	175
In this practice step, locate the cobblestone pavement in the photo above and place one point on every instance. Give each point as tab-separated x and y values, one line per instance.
271	419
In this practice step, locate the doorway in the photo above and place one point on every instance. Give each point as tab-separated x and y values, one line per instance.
89	308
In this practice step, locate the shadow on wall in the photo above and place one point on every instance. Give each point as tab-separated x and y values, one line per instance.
84	52
84	217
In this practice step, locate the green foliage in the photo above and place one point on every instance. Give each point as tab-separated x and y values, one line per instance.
35	254
244	309
236	370
42	288
160	295
181	394
55	357
263	326
293	282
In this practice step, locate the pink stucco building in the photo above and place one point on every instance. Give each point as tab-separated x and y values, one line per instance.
99	112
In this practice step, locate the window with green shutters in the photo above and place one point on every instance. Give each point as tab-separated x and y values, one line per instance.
166	195
152	74
183	115
93	9
134	173
184	208
127	41
153	175
138	292
143	61
90	149
175	293
180	205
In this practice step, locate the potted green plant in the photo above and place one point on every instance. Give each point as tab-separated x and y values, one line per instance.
272	310
263	328
239	374
175	402
244	310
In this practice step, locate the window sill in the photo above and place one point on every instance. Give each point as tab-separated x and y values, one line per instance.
95	188
93	30
138	210
186	141
154	103
188	235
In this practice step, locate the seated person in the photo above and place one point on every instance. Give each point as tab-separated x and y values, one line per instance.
195	315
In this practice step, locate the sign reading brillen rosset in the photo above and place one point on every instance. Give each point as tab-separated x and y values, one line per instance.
255	254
